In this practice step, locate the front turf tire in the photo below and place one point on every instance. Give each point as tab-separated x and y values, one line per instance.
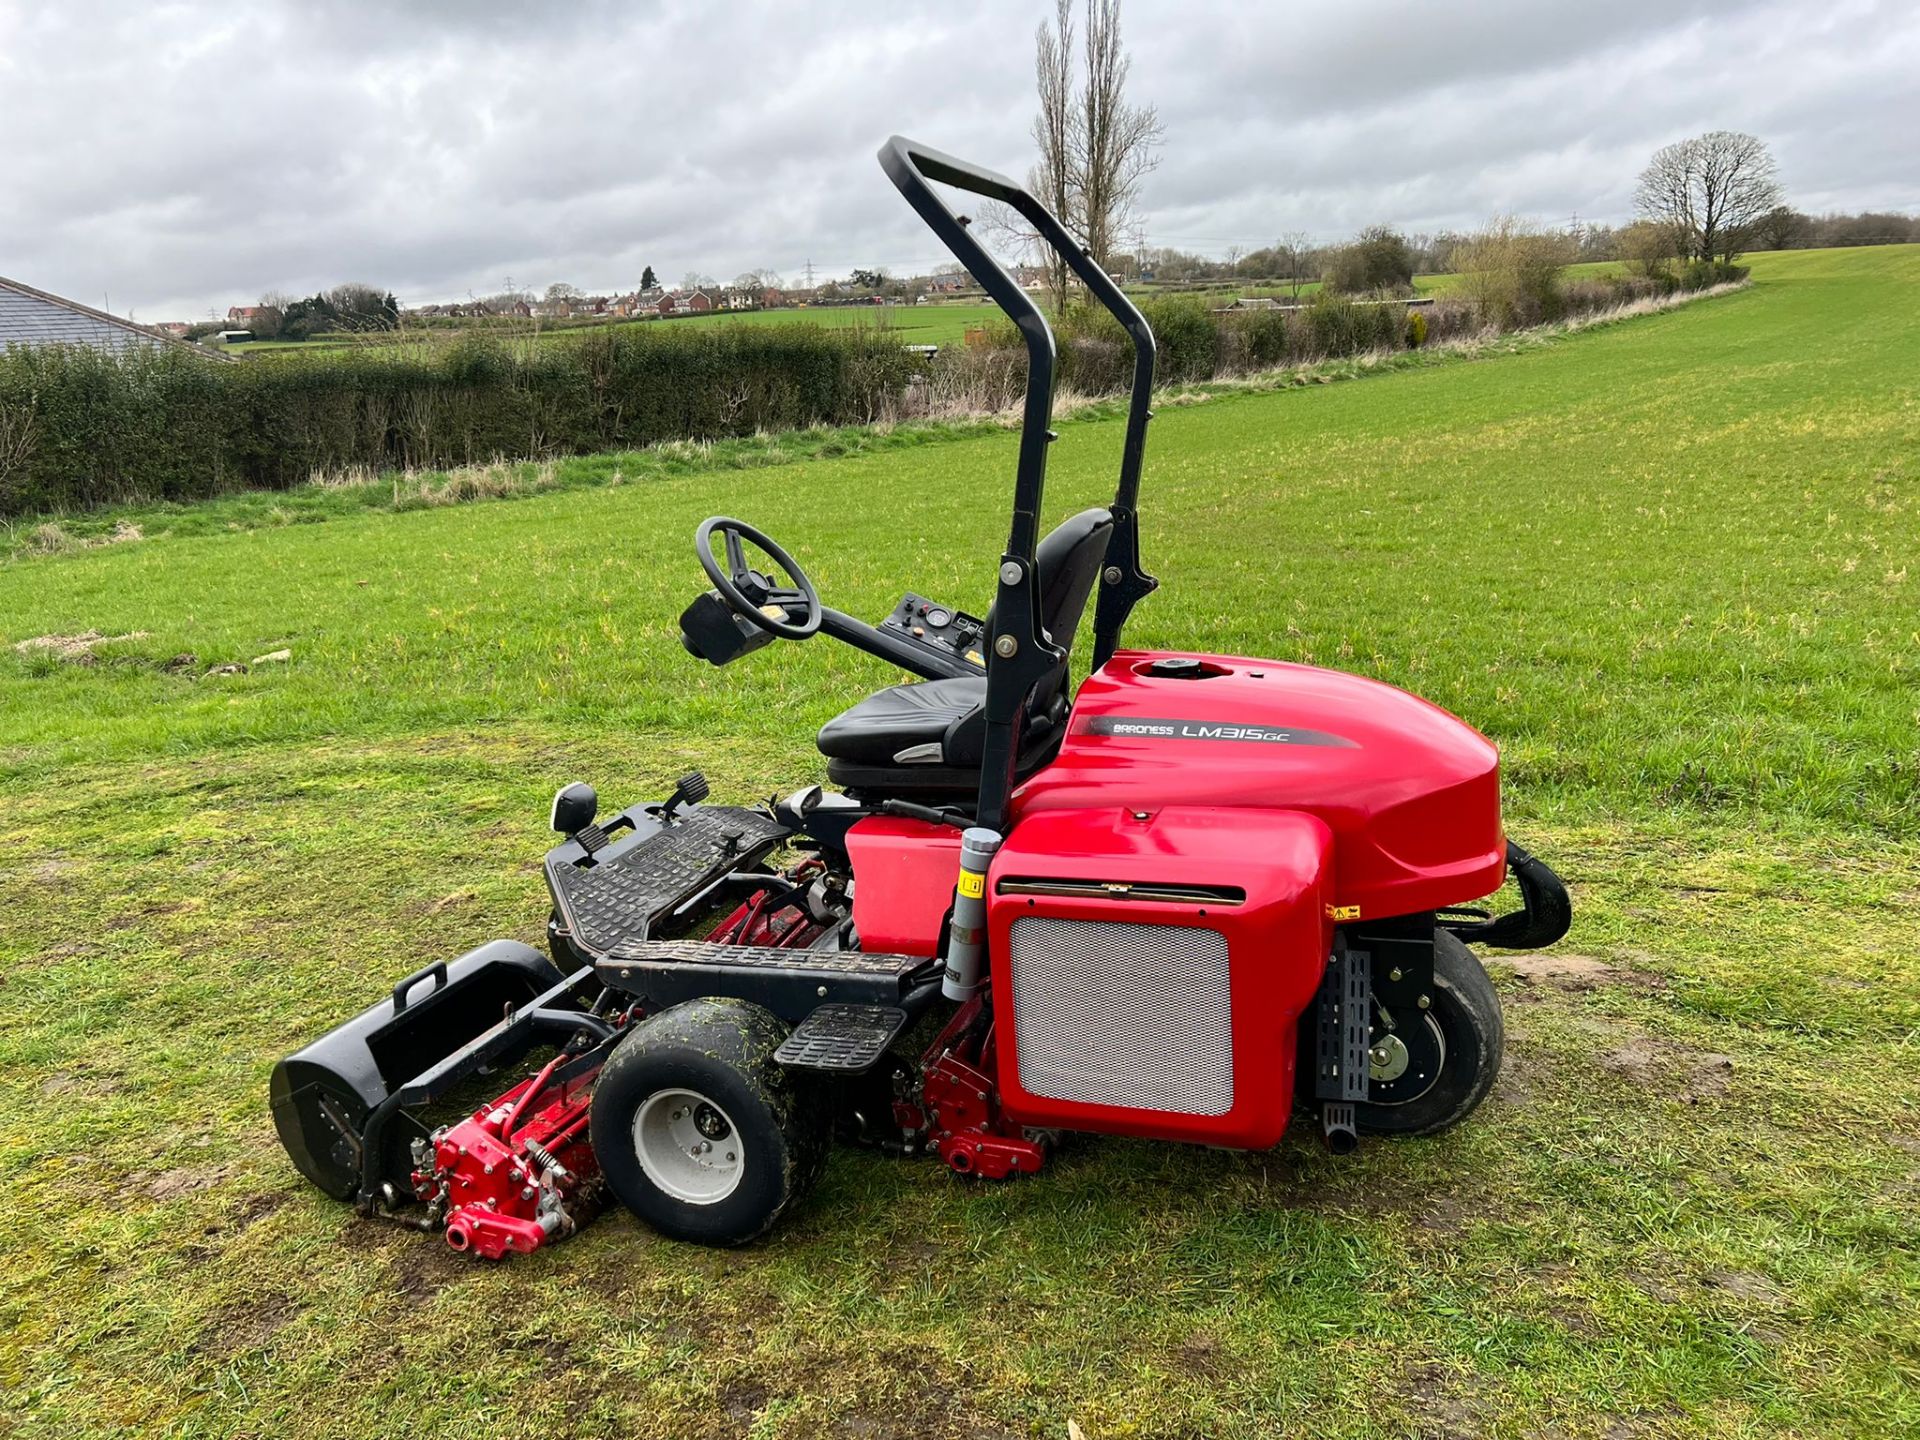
703	1074
1467	1011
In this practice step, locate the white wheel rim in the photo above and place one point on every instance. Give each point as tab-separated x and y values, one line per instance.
688	1146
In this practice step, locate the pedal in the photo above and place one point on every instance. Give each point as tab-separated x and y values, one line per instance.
691	789
842	1039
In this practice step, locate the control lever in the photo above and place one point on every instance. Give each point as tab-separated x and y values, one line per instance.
691	790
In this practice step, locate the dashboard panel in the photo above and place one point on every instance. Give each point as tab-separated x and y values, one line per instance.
951	633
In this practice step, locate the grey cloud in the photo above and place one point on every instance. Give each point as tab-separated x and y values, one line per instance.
194	155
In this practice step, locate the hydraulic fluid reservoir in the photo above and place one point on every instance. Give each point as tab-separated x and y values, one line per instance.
966	941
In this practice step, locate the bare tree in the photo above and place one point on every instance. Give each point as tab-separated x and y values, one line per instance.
1095	147
1052	177
1781	228
1118	140
1711	191
269	315
1295	250
560	290
1648	246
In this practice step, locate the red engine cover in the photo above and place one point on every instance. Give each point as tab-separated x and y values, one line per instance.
1149	967
1411	794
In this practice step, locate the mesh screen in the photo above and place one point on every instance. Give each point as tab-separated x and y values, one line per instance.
1117	1014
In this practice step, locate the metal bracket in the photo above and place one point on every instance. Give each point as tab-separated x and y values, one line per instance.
1344	1019
1343	1022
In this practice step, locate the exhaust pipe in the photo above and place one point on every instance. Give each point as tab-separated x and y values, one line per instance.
1337	1129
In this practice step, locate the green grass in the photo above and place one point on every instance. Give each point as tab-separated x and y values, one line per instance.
1668	564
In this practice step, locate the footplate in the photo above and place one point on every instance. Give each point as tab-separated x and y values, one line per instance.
622	897
842	1039
793	984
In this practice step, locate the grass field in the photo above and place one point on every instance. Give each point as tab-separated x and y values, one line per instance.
1670	565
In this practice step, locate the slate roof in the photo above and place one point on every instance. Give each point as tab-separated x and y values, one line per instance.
33	317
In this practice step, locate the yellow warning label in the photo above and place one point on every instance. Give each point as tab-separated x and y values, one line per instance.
1343	912
971	885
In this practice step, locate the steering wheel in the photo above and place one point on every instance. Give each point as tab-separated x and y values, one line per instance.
738	582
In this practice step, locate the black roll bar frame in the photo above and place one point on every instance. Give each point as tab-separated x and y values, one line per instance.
1020	654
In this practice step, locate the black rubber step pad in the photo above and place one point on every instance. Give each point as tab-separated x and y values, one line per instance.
842	1039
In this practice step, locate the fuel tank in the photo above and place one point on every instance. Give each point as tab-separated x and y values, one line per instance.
1410	793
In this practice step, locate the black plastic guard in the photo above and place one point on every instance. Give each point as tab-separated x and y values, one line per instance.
1545	917
323	1094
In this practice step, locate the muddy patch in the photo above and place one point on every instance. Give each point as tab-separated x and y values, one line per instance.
742	1400
1574	973
1747	1286
1201	1354
246	1325
186	1180
1689	1076
426	1267
78	1083
77	649
1437	1403
254	1208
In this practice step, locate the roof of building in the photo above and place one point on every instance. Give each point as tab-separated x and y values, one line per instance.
33	317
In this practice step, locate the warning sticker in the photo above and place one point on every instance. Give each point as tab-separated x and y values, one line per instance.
971	885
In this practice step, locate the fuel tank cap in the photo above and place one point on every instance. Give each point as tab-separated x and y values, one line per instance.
1176	667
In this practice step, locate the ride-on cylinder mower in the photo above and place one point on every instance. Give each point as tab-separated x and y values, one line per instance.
1190	898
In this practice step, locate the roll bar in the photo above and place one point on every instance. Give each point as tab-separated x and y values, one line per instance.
1021	655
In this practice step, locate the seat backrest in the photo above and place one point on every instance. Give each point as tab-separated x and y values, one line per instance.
1066	565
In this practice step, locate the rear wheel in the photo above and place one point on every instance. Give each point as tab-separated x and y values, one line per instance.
698	1131
1435	1066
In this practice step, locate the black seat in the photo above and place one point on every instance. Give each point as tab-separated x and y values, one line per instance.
928	737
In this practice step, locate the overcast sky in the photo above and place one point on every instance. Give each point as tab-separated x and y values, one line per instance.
172	156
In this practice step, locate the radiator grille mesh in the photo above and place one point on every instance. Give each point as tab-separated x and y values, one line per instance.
1115	1014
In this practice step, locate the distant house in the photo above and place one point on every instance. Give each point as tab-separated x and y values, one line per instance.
699	300
175	329
662	305
771	299
33	317
739	300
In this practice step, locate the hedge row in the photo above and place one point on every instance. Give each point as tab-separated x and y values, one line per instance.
1198	344
80	427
